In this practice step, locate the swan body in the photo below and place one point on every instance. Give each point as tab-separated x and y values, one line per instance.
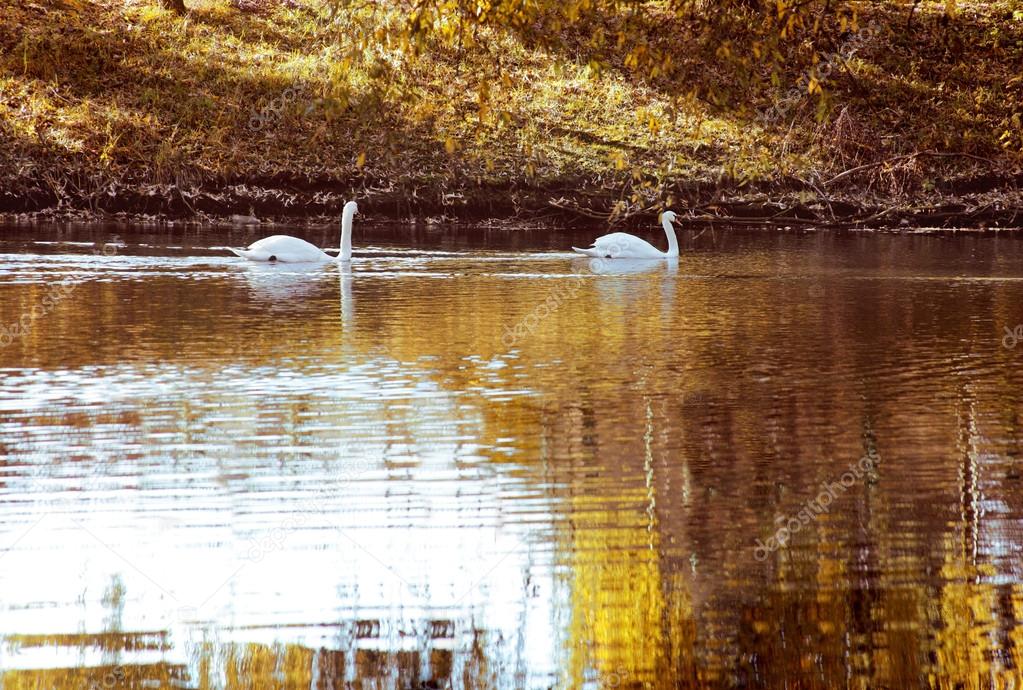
282	248
621	245
287	249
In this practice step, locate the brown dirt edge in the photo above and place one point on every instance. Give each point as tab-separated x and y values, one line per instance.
986	202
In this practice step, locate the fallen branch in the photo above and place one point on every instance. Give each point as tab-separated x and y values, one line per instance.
565	205
905	157
762	220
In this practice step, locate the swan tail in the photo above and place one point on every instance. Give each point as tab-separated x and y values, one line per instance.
592	251
251	254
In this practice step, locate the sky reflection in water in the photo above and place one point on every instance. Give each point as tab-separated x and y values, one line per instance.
219	474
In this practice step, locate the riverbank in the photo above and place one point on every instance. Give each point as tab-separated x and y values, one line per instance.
124	109
975	203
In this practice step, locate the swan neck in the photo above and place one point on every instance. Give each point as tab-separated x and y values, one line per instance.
669	230
346	236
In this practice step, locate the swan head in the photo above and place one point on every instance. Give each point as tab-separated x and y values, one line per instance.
668	216
351	208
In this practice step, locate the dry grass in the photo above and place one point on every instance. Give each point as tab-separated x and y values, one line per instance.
109	94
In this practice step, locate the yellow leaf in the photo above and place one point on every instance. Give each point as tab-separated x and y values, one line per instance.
449	145
361	160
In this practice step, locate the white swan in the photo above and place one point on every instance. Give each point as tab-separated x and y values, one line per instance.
289	249
621	245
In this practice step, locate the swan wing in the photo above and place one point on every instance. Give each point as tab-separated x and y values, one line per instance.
621	245
283	248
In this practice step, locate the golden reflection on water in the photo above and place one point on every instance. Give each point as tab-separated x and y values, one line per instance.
224	475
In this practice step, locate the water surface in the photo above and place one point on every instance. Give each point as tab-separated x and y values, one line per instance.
472	460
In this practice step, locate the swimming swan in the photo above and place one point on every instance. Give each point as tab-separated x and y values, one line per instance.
289	249
621	245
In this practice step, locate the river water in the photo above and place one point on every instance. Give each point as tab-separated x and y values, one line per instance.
472	460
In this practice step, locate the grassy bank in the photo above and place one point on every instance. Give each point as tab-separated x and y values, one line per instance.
281	109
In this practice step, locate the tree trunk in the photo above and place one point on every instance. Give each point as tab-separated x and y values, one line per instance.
176	5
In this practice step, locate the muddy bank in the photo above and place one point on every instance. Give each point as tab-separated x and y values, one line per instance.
991	201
